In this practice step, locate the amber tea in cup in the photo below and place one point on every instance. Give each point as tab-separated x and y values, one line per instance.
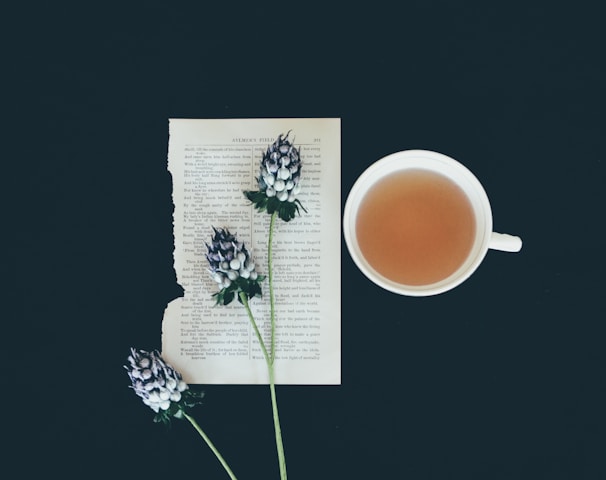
419	223
415	227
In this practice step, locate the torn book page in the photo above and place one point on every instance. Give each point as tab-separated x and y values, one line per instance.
212	162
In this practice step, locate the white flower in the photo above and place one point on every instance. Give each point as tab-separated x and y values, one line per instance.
280	170
156	382
228	259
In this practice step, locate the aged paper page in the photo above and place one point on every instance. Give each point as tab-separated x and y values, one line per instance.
212	162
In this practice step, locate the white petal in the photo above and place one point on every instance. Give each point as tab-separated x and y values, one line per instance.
253	275
164	405
269	179
154	397
234	264
232	275
270	192
284	173
244	273
279	185
283	195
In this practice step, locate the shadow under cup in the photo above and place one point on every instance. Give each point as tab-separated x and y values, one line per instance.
420	160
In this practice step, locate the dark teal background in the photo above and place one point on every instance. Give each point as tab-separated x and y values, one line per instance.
501	378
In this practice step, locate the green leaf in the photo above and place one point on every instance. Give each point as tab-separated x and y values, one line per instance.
272	205
286	210
250	287
162	417
257	198
228	298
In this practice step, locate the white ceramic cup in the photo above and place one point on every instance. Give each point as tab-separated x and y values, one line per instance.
485	238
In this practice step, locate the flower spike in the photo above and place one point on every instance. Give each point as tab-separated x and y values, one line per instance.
279	180
160	386
232	267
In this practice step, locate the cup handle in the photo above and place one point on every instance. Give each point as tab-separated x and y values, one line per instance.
505	242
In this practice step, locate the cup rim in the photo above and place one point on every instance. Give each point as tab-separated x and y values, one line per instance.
400	161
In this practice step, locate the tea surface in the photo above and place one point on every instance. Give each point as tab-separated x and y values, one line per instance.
415	227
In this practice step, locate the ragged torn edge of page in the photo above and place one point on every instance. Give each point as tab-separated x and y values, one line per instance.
173	306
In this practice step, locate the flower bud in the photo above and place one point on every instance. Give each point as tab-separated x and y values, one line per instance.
158	384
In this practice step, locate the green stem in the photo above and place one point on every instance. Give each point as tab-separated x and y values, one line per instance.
270	275
211	446
271	356
272	389
278	430
270	364
244	299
